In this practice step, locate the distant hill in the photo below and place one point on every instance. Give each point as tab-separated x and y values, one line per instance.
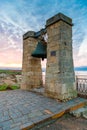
10	68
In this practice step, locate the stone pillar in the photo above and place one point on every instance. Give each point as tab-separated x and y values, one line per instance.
31	67
60	77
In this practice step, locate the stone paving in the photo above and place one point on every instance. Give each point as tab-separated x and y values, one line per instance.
20	109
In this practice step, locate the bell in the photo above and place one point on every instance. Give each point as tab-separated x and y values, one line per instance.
40	51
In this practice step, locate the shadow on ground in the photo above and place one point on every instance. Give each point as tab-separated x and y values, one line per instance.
67	122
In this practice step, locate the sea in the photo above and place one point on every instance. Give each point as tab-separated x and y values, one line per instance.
82	74
79	74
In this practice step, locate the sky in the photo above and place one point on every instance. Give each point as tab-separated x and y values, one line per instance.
19	16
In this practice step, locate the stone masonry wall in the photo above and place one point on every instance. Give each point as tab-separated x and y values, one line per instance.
31	67
60	78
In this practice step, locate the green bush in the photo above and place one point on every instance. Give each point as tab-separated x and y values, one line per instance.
6	87
3	87
13	87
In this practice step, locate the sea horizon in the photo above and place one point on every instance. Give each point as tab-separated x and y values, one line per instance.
78	70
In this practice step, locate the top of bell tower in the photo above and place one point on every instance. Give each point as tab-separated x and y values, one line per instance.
57	18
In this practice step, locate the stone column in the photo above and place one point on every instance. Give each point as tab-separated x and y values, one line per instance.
60	77
31	67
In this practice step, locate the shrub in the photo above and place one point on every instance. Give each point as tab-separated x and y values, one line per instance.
6	87
13	87
3	87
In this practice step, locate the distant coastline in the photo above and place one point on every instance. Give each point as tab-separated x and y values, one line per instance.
81	68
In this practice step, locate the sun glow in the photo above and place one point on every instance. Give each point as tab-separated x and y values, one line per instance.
11	65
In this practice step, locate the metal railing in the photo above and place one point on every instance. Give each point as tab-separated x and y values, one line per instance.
81	85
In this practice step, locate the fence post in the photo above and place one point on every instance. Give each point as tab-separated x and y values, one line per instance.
76	83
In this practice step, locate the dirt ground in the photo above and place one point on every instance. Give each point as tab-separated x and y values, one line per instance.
67	122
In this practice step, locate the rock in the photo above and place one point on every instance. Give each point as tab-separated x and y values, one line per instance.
9	82
10	79
85	115
76	113
18	78
3	75
80	112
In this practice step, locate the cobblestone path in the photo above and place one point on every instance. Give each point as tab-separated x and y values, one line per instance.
20	109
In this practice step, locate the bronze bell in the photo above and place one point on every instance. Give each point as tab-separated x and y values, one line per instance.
40	51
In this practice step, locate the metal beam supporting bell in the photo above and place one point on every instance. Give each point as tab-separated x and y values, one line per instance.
40	51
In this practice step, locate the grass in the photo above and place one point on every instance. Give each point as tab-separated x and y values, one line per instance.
5	87
14	87
16	72
10	72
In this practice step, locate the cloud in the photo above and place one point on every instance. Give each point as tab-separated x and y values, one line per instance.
19	16
15	20
80	54
83	48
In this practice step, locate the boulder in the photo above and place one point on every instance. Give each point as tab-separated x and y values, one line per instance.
10	80
80	112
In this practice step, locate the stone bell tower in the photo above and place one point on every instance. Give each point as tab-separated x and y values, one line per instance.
60	78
